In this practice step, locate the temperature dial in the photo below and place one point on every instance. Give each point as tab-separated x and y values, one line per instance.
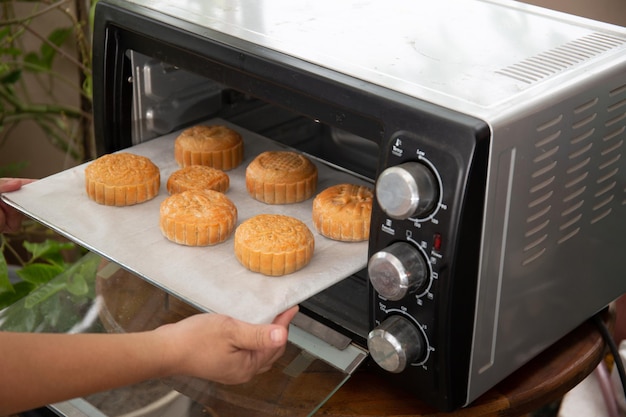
407	190
396	343
397	270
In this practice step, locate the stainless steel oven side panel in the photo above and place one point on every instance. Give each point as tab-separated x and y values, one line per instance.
552	252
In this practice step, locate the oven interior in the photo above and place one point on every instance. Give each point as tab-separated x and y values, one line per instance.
167	98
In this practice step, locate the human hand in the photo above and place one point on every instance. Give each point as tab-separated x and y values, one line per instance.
221	348
10	219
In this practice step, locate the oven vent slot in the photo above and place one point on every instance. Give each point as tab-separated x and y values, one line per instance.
574	174
551	62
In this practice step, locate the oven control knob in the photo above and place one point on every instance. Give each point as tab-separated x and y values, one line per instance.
396	343
398	270
407	190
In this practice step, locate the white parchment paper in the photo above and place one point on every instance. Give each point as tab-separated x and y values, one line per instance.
209	278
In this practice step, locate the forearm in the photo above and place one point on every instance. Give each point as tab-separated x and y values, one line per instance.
39	369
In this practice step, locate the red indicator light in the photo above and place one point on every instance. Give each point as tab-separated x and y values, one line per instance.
437	242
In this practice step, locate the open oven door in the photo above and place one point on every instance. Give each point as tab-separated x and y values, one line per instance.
115	300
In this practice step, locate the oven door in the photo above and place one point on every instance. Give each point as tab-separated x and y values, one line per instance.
113	300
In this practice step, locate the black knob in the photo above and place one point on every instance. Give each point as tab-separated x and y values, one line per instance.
396	343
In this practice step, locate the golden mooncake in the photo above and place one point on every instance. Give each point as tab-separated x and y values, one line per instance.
215	146
122	179
343	212
198	217
274	244
281	177
198	177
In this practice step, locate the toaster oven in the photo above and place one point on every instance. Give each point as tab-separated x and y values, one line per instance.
492	132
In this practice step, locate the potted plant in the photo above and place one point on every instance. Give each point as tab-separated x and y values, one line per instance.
29	79
31	82
47	283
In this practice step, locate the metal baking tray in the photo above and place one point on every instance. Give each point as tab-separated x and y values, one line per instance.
209	278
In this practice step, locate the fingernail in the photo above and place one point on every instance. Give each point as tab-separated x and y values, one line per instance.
276	335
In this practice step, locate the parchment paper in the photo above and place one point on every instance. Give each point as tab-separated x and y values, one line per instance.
209	278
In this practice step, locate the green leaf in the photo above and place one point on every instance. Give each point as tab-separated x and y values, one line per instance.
21	289
74	280
31	320
57	37
11	51
49	250
4	32
43	293
53	310
5	283
77	285
11	77
34	63
92	14
39	273
81	273
88	86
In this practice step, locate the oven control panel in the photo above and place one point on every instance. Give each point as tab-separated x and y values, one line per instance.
406	255
423	259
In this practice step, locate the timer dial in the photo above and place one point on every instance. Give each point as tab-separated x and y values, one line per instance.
396	343
407	190
397	270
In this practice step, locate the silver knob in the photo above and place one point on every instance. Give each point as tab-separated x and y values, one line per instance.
395	344
397	270
407	190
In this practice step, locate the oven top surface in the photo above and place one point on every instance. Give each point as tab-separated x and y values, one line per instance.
465	54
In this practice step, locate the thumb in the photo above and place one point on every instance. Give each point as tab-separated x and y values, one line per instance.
259	337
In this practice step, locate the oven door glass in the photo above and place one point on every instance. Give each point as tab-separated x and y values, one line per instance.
113	300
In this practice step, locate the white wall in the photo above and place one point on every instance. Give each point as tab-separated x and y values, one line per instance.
611	11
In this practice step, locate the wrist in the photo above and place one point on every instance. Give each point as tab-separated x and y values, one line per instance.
168	351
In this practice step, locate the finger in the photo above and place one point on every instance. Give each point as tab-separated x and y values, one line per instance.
13	184
13	222
258	337
285	317
279	334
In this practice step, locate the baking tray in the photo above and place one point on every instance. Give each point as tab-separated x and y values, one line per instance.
209	278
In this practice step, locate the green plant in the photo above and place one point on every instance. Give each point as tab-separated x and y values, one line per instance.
52	288
58	295
46	261
29	76
26	66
